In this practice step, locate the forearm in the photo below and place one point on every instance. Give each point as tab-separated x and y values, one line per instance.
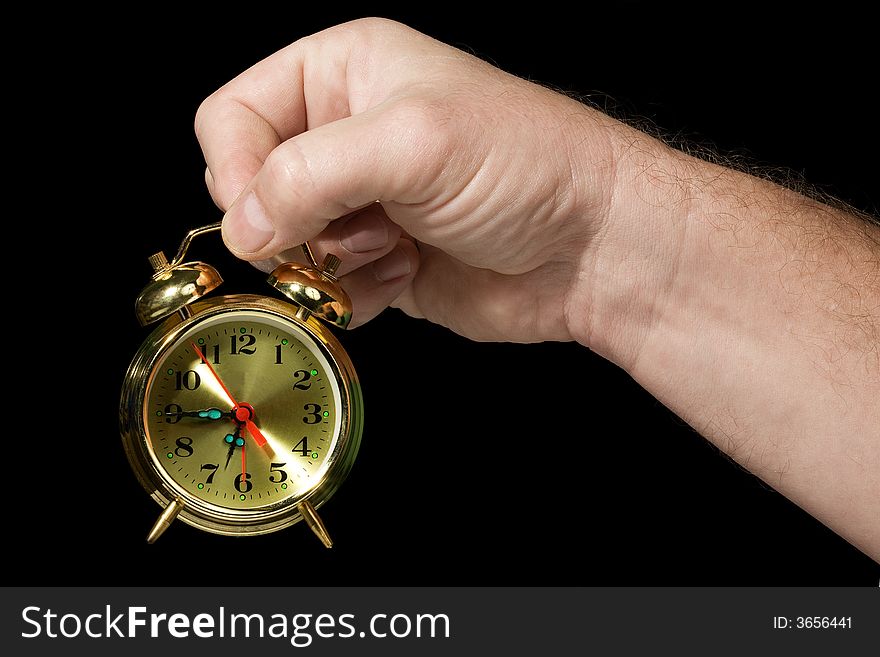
754	314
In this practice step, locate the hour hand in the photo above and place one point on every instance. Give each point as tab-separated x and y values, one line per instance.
205	414
233	440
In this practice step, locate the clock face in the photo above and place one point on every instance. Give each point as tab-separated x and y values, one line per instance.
226	378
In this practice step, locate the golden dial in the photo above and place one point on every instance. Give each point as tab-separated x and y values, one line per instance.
242	417
276	377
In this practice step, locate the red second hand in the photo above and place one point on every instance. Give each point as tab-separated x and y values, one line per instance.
242	414
217	378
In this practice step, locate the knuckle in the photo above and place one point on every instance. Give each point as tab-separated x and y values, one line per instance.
427	122
289	174
425	135
210	110
283	167
203	114
376	24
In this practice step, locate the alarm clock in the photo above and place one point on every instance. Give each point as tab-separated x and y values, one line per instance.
241	414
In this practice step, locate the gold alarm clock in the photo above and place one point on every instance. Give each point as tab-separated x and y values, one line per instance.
241	414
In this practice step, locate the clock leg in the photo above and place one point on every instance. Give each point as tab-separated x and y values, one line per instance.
313	520
164	521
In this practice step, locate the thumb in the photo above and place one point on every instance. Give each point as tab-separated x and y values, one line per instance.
395	153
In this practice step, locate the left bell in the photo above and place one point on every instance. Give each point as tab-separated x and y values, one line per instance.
173	287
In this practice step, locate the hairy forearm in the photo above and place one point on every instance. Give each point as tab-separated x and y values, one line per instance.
751	311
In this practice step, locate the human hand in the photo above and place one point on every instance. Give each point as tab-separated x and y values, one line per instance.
502	182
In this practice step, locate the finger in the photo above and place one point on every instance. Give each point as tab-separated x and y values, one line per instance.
357	239
375	286
239	125
470	301
399	154
316	80
209	183
235	142
480	303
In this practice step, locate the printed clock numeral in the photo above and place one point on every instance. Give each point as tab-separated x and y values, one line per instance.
184	447
302	377
212	467
173	413
302	447
313	413
243	482
189	380
275	469
247	348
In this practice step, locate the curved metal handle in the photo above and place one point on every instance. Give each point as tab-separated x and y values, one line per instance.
184	245
210	228
307	250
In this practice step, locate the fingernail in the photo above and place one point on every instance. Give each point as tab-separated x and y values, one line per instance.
246	227
364	232
394	265
288	255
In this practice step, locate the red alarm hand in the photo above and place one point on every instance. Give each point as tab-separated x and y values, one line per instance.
243	465
243	412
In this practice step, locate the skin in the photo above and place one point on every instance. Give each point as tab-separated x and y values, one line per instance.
750	310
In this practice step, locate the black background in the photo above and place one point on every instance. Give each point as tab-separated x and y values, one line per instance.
480	463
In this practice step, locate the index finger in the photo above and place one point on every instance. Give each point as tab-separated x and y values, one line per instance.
316	80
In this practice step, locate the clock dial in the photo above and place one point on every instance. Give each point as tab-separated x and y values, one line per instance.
275	376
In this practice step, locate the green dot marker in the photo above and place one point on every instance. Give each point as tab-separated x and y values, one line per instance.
239	441
241	497
170	371
326	413
170	455
201	340
242	330
159	413
284	341
229	438
314	372
314	455
201	486
284	486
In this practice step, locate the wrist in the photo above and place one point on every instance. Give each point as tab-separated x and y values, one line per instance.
631	258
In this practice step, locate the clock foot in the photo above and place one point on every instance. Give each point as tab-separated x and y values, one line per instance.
313	520
164	521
